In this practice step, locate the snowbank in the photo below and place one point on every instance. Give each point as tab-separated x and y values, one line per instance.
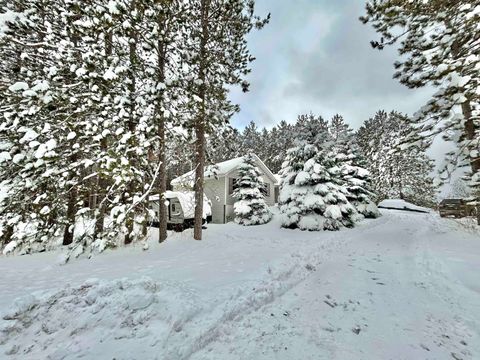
99	315
133	319
398	204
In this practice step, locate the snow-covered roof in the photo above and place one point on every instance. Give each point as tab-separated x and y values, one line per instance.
398	204
187	201
219	170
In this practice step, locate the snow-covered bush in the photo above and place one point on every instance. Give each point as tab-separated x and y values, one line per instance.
311	194
250	207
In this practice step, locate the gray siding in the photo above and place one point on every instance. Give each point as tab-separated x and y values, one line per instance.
215	192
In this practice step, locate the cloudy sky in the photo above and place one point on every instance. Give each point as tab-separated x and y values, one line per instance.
315	56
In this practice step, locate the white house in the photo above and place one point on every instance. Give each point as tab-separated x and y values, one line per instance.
219	185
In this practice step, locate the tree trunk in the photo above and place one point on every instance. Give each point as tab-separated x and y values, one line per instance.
162	172
199	179
469	131
132	123
470	135
200	127
162	182
101	188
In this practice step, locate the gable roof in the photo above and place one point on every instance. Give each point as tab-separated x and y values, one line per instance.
221	169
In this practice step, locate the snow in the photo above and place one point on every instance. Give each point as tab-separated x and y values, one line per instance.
401	205
109	75
5	156
278	177
9	247
404	286
302	178
28	136
18	86
43	149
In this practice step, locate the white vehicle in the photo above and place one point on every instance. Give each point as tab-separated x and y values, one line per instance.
180	209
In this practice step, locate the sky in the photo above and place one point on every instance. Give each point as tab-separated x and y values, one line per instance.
315	56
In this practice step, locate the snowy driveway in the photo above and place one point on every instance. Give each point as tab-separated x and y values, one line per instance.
402	287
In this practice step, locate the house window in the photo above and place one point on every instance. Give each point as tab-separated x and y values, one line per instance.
266	190
232	185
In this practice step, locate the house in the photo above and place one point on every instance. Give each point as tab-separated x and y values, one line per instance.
220	181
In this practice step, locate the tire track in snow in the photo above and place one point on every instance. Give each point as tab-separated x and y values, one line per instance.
458	330
282	278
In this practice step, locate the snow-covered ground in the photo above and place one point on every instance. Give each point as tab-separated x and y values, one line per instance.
405	286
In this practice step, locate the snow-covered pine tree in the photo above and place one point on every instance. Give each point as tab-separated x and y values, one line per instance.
251	139
216	57
225	146
250	207
396	173
280	141
40	127
311	194
163	24
314	129
439	47
111	107
354	177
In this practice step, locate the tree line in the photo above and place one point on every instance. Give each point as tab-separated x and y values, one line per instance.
395	173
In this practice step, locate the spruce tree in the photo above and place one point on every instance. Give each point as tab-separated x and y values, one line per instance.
250	207
354	176
311	194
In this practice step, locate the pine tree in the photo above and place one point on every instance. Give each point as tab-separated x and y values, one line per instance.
439	47
250	207
313	129
251	139
396	172
311	194
44	164
216	57
354	176
281	140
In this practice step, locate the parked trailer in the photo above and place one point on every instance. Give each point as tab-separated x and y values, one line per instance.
180	209
457	208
